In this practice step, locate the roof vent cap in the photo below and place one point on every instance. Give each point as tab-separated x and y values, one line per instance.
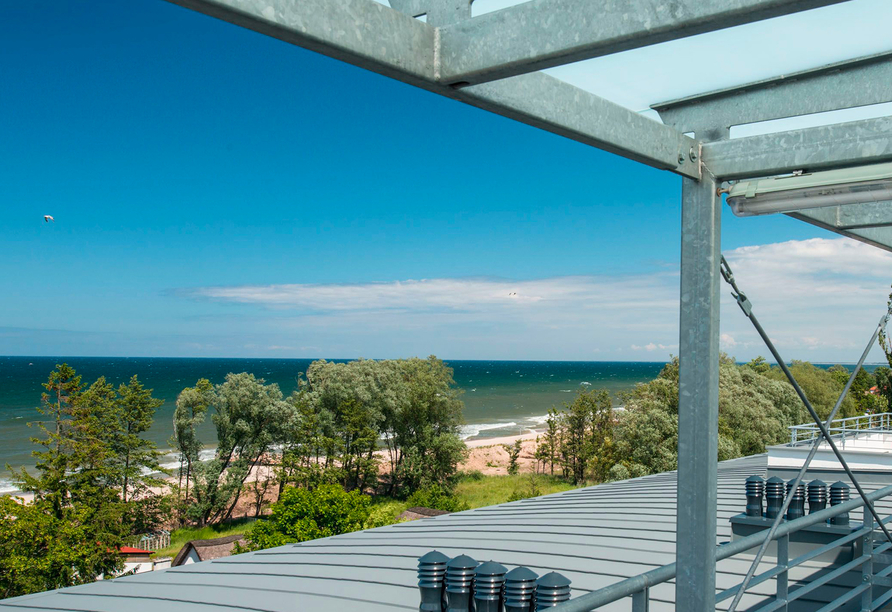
520	590
460	583
489	582
552	589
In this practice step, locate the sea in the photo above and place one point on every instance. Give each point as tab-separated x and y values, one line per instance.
501	398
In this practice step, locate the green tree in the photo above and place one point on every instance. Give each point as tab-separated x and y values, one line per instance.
54	461
586	436
44	548
755	410
134	456
303	514
75	497
191	410
422	430
513	455
821	387
250	418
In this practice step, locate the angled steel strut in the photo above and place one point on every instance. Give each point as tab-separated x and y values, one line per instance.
747	308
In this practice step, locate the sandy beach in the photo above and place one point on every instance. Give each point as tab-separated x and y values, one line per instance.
486	455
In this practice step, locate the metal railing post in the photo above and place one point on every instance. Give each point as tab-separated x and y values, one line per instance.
783	558
867	567
641	601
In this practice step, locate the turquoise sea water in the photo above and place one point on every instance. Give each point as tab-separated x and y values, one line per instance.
501	397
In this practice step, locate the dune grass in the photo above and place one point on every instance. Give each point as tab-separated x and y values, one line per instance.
479	491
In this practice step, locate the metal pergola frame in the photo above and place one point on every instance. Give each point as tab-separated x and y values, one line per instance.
492	61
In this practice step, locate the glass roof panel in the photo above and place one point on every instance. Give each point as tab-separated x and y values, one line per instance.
639	78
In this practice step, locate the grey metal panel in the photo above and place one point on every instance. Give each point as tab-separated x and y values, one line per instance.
376	568
361	32
553	105
843	144
859	82
544	33
698	395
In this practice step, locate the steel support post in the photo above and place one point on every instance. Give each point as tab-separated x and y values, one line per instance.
698	402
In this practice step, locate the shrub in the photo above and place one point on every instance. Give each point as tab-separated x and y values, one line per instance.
527	488
437	498
302	515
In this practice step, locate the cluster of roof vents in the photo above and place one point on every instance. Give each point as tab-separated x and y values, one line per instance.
774	488
463	585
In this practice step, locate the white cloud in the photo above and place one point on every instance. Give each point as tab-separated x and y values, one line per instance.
819	299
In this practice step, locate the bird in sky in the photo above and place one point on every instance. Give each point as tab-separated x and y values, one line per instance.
512	294
48	218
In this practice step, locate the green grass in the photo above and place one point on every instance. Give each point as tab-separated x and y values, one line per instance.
179	537
490	490
474	489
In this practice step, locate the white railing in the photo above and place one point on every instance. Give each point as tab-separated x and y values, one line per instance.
841	428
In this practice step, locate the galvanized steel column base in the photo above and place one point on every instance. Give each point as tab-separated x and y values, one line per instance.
698	396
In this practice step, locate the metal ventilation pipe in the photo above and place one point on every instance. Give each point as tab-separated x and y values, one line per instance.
432	581
551	589
817	496
839	493
460	584
796	508
520	590
489	582
755	487
774	497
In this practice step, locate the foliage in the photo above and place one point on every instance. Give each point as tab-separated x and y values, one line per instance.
90	461
134	456
192	407
580	437
41	550
422	432
513	455
302	514
527	488
343	409
821	387
250	418
434	496
755	409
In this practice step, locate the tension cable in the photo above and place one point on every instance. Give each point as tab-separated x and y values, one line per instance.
747	307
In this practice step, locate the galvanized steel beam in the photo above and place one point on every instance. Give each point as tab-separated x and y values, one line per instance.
859	82
361	32
878	236
544	33
698	396
386	41
545	102
852	216
834	146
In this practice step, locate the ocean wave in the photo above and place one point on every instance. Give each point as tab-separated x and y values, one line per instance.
470	431
7	487
538	420
171	459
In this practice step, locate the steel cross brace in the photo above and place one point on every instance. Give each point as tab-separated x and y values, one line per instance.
747	308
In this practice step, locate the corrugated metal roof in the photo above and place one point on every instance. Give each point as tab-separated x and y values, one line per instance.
595	536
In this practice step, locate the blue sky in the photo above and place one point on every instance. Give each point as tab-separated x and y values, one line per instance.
220	193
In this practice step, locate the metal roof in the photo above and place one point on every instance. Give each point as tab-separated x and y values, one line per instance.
595	536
